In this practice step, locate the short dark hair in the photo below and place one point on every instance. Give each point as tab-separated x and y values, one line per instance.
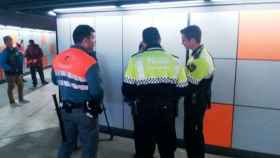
141	46
31	41
81	32
192	31
151	36
6	39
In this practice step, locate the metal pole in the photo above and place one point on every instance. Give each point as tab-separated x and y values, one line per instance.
108	123
58	112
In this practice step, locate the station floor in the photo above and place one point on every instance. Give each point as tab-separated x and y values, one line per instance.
31	130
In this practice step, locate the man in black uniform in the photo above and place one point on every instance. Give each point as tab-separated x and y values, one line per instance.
154	79
199	69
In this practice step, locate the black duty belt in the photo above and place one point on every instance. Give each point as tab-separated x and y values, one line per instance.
87	106
73	105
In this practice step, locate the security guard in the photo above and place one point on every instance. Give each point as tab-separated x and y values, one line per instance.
155	80
76	73
200	69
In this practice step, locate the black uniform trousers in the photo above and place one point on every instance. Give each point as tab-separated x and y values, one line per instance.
155	124
196	103
193	130
137	139
33	70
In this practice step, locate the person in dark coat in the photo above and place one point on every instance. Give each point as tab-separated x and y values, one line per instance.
34	56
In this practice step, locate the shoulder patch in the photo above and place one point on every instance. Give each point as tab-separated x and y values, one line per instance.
191	67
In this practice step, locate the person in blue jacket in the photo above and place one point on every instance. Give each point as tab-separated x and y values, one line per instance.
11	61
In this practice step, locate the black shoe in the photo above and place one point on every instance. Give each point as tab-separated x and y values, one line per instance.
45	82
34	85
23	101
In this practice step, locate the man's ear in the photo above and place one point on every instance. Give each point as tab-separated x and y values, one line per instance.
193	41
144	44
84	42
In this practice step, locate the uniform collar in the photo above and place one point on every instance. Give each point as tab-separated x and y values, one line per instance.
81	48
92	53
197	51
154	48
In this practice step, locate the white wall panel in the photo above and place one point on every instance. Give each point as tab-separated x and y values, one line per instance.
25	35
63	33
109	54
219	32
36	36
169	26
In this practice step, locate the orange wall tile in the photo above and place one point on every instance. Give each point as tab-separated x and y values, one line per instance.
218	125
259	35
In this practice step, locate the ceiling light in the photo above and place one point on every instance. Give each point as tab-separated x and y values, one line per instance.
84	9
51	13
162	4
12	27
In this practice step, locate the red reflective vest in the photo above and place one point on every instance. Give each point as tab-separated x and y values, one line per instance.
73	64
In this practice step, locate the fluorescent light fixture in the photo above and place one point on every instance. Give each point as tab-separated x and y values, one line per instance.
84	9
13	27
39	30
27	29
48	31
162	4
51	13
155	5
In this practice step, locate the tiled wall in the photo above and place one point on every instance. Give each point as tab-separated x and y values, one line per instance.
256	117
45	39
245	46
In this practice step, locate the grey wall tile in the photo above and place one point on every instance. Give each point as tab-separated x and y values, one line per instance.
223	83
256	130
258	83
